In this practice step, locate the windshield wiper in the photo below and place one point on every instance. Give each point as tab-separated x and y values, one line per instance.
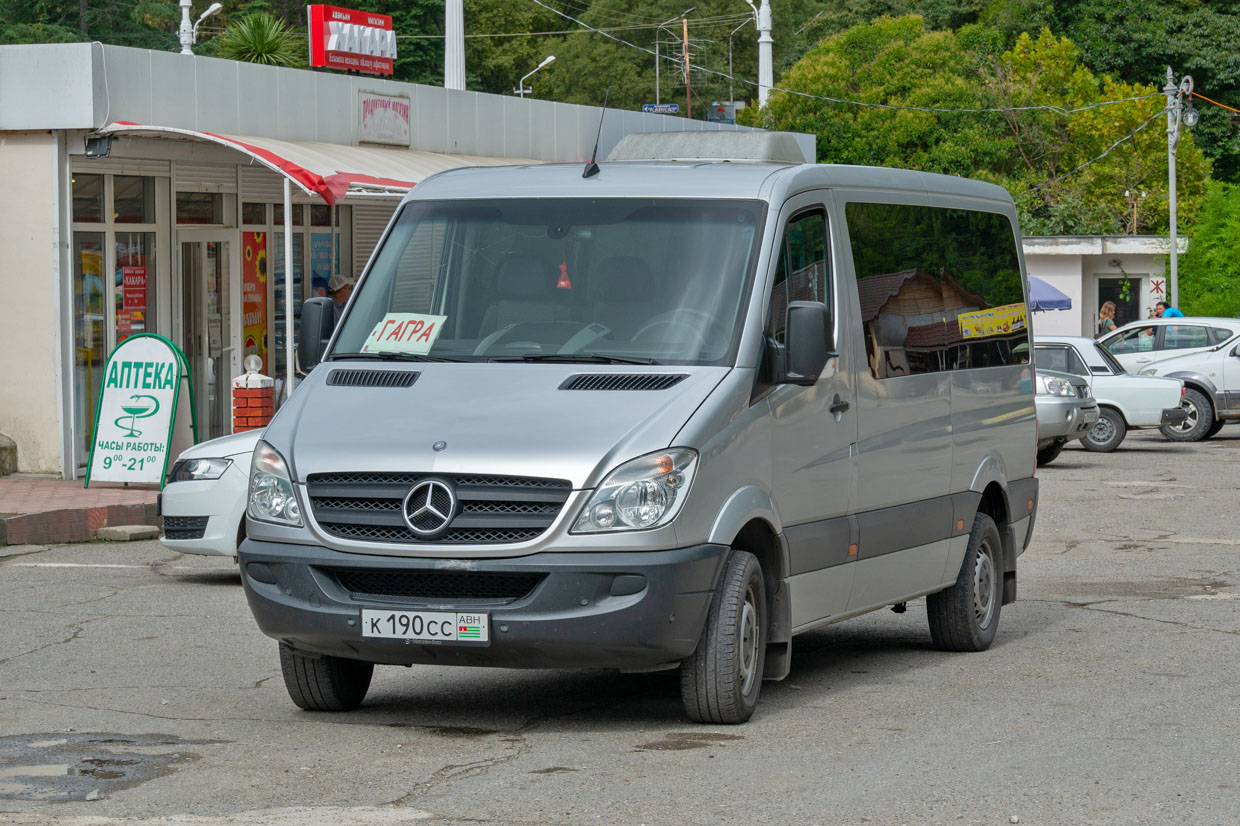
581	358
389	356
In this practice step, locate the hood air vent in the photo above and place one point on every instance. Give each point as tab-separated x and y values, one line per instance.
372	378
622	381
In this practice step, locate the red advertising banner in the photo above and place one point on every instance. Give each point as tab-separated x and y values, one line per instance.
254	295
355	41
133	280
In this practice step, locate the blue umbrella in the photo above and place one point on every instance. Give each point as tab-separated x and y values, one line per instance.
1043	296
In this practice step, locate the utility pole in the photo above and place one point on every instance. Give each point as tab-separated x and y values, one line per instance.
1175	114
685	53
658	32
454	44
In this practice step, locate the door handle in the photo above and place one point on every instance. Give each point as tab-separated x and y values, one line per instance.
838	406
1143	361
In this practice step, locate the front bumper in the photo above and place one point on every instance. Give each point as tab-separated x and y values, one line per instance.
221	501
1174	416
580	615
1065	416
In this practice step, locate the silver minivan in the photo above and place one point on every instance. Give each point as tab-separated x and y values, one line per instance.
666	415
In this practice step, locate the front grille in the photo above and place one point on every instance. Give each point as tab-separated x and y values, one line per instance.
185	527
372	378
456	587
622	381
368	507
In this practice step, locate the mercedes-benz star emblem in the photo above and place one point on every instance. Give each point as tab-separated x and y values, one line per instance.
429	507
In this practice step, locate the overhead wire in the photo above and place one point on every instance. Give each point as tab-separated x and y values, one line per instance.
1215	102
845	101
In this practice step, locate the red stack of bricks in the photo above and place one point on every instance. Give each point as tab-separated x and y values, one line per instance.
252	407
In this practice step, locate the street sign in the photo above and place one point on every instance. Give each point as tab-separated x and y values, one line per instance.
138	406
661	108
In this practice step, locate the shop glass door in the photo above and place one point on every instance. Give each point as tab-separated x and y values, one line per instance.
210	327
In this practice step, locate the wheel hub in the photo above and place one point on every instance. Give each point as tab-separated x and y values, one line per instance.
1190	420
747	662
1103	431
984	585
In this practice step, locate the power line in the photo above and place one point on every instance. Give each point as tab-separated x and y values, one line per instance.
939	109
708	21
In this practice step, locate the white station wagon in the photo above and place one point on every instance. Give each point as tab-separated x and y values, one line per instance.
1125	402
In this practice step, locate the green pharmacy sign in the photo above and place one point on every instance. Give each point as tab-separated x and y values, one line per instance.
142	386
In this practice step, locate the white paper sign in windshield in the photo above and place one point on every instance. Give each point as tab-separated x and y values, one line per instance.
404	333
141	382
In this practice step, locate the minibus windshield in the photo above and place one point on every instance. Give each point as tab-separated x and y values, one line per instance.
621	280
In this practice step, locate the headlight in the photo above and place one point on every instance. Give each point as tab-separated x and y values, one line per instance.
1150	371
192	470
1051	386
644	493
272	498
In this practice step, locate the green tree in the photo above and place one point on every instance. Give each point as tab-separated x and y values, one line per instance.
1210	270
1061	168
260	37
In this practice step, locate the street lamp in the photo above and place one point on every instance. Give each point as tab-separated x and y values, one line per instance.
522	90
189	32
1176	94
731	74
657	33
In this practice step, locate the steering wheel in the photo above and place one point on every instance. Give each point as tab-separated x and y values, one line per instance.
701	324
541	337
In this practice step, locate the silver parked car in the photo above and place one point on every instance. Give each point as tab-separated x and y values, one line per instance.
1066	411
666	415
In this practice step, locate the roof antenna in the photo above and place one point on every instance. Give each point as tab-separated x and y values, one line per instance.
592	166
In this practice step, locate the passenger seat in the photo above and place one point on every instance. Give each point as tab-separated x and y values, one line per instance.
526	293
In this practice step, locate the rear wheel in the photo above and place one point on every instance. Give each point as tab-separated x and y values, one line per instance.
721	681
1200	418
1050	453
1107	433
965	616
324	683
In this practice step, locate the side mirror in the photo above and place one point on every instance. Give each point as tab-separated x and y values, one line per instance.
318	318
806	342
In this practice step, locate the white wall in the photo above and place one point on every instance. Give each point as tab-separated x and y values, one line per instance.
1063	272
30	412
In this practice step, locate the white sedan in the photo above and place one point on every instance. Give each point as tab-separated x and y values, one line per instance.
203	504
1125	402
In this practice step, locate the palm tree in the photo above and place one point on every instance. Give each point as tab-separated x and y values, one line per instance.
260	38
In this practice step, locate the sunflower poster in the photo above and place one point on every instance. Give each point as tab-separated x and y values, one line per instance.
254	295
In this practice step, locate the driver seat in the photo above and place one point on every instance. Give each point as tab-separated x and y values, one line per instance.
525	290
624	292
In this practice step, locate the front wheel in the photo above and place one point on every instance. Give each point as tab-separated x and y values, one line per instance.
965	616
1200	418
324	683
1049	453
1107	433
721	681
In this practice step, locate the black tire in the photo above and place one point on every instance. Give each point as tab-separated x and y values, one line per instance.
720	683
1200	419
965	616
1107	433
1049	454
1215	428
324	683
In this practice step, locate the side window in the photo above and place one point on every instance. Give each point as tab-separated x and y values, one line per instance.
1052	358
940	289
1221	334
1133	341
1184	336
801	274
1075	365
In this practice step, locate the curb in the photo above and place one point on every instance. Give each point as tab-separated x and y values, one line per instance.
72	524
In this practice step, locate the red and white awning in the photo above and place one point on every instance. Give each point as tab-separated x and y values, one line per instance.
330	170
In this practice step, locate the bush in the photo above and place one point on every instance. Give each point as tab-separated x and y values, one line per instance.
1210	270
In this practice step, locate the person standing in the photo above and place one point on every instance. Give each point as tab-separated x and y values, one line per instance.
1106	319
1164	310
339	289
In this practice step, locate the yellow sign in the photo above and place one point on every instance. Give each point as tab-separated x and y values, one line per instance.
996	321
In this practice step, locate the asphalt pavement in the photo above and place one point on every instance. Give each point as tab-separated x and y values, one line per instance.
136	689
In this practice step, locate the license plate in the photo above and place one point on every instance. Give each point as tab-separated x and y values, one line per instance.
458	627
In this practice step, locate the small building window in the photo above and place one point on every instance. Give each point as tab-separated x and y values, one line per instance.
133	200
87	198
277	215
200	208
320	215
254	213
